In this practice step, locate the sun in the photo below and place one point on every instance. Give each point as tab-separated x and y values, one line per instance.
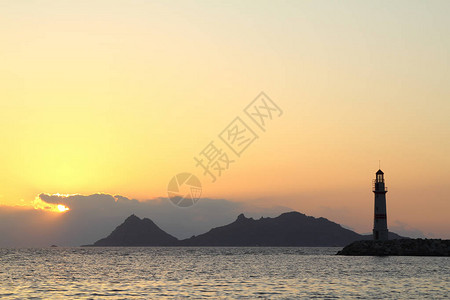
38	203
62	208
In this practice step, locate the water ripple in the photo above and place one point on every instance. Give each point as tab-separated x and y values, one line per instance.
123	273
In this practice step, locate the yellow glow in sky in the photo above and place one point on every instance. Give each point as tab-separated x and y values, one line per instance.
118	97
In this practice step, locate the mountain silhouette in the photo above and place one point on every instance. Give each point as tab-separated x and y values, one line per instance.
137	232
288	229
391	236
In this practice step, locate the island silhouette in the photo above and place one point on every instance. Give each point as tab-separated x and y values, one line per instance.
292	229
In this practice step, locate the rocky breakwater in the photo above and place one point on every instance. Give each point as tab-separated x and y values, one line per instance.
401	247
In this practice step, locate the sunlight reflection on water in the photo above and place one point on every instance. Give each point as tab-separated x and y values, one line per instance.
217	273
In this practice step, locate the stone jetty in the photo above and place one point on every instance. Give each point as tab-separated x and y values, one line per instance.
401	247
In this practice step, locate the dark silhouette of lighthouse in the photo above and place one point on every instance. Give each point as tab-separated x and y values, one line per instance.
380	230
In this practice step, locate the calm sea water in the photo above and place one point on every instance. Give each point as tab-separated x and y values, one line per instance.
120	273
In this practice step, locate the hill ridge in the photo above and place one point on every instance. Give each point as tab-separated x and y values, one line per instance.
288	229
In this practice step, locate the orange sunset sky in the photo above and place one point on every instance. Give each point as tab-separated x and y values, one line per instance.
119	96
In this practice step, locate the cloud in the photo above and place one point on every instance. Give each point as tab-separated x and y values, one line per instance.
95	216
404	229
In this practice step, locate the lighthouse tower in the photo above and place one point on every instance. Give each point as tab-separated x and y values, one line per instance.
380	230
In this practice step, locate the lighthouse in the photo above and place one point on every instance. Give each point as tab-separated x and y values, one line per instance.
380	230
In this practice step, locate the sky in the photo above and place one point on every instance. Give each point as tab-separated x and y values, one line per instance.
117	97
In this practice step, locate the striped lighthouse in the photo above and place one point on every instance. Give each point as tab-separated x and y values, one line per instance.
380	230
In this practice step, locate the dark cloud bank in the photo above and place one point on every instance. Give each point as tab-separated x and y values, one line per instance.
93	217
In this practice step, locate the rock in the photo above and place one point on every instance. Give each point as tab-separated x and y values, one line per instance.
400	247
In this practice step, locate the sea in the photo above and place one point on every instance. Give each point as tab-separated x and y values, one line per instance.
217	273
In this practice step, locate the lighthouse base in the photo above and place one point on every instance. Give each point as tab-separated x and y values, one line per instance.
380	234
